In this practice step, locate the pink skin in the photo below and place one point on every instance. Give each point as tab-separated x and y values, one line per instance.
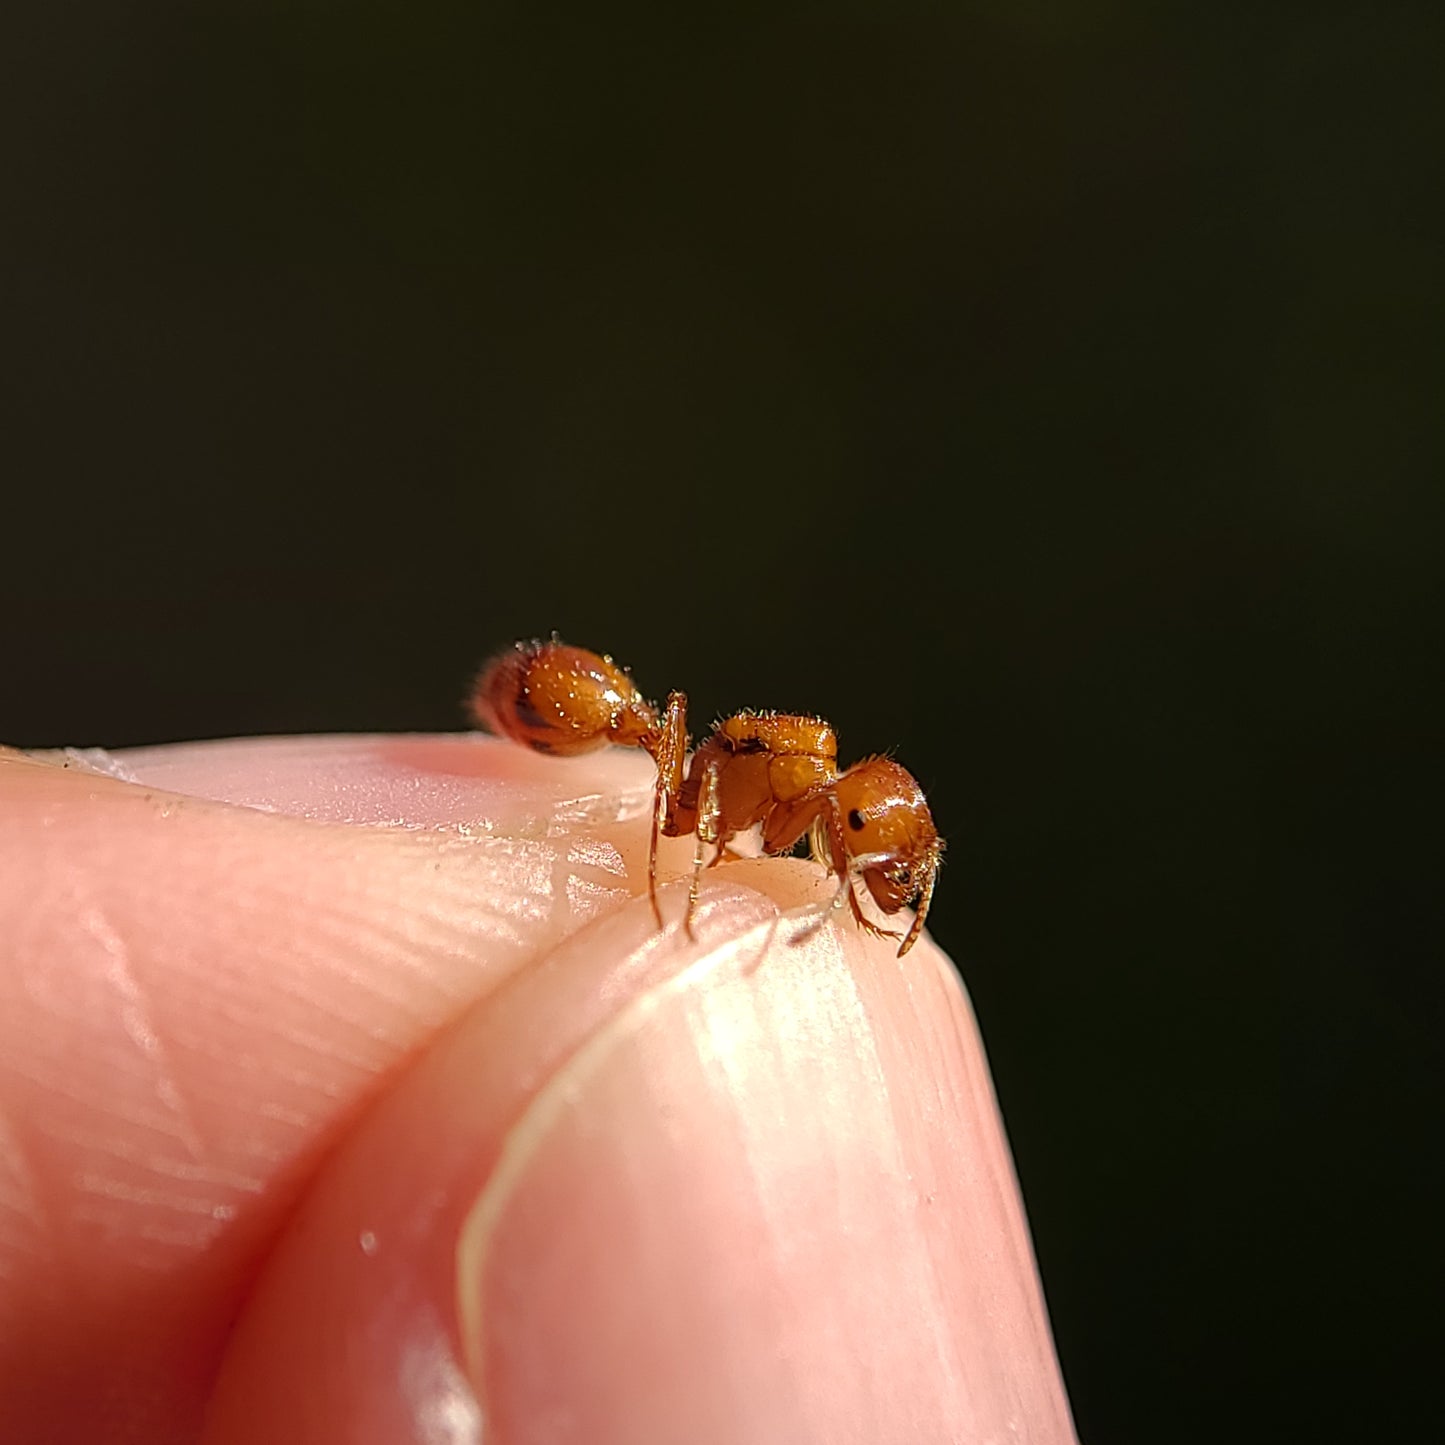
349	1093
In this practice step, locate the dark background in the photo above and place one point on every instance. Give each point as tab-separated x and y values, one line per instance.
1048	391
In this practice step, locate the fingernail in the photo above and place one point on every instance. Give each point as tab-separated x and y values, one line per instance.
769	1200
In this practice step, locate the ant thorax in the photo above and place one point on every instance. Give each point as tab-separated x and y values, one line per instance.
764	762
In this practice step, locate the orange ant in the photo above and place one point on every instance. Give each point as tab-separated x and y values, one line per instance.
779	770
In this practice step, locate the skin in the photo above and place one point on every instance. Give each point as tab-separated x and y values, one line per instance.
348	1092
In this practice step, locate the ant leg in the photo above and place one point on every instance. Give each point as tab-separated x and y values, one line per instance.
866	924
849	871
826	831
667	744
707	830
846	871
657	807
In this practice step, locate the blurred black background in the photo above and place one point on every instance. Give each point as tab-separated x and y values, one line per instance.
1048	391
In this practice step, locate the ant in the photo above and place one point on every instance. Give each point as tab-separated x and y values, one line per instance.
779	770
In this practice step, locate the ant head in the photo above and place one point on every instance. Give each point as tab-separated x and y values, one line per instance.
888	830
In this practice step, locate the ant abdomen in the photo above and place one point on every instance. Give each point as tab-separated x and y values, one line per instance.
560	700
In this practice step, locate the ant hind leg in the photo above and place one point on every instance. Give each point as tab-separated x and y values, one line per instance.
863	922
667	745
659	803
706	831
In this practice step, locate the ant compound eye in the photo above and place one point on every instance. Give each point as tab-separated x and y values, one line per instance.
855	819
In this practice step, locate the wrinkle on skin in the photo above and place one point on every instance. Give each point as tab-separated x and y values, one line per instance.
138	1020
25	1232
126	1126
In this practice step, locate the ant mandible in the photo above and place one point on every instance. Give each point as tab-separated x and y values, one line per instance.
779	770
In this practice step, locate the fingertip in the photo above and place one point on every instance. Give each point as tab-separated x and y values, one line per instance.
733	1187
356	1311
800	1219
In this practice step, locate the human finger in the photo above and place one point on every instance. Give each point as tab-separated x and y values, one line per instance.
741	1187
197	999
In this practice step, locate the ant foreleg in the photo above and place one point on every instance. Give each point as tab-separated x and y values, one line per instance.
658	804
846	872
848	887
827	834
850	870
